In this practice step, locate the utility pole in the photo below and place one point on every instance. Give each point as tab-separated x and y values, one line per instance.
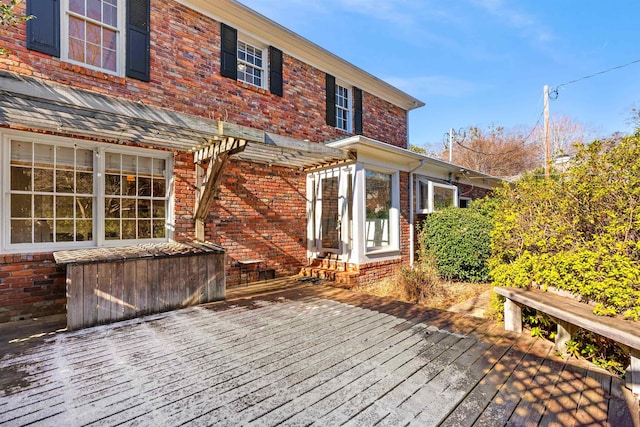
547	140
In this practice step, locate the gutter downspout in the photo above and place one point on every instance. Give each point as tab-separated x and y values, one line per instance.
412	249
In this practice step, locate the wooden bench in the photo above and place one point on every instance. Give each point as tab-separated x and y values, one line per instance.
571	314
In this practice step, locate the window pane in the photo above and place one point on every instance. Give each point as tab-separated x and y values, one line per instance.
112	162
42	231
77	6
159	187
129	163
158	209
144	186
43	155
144	208
94	9
94	55
84	160
65	157
84	230
112	208
112	230
84	207
84	183
158	167
43	180
109	59
21	206
378	202
442	197
20	178
64	181
64	231
110	13
76	29
423	188
128	229
21	152
76	50
43	206
128	208
144	229
64	206
129	185
158	229
21	231
112	184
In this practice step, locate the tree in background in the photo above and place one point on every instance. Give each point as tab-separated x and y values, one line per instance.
10	18
494	151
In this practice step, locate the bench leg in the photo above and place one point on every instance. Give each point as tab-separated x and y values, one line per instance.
632	377
564	333
512	316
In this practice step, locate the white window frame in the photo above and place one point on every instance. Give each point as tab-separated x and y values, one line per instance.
242	63
430	190
348	109
120	44
394	214
98	192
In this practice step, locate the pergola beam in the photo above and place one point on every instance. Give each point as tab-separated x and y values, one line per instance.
216	155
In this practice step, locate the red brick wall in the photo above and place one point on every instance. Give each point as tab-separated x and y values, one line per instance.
31	285
185	76
260	213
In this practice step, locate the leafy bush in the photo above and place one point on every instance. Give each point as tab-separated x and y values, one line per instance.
459	241
579	231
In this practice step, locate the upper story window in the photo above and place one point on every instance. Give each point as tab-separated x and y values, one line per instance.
92	34
343	108
75	194
251	64
111	36
433	196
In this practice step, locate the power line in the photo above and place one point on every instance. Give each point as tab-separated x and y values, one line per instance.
595	74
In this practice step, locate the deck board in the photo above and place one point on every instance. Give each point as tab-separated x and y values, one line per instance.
303	355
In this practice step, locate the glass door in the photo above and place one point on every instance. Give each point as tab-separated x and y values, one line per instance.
330	219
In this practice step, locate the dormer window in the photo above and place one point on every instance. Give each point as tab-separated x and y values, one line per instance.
251	66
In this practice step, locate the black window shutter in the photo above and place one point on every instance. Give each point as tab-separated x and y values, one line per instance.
138	39
357	111
43	31
275	71
331	100
229	52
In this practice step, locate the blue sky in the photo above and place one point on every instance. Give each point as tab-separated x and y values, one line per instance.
484	62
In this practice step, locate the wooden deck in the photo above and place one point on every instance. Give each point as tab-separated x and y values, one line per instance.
300	356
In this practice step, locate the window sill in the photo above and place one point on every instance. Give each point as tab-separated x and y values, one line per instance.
253	88
382	252
79	69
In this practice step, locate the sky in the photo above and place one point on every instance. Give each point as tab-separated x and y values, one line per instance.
484	62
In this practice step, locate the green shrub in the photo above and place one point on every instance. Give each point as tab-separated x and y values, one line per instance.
459	241
579	231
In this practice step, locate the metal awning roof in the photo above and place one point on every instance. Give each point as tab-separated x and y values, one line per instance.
27	103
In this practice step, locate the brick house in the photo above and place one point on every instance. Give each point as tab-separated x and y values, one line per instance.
138	121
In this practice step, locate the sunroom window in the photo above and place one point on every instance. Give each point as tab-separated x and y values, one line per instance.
434	196
378	199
